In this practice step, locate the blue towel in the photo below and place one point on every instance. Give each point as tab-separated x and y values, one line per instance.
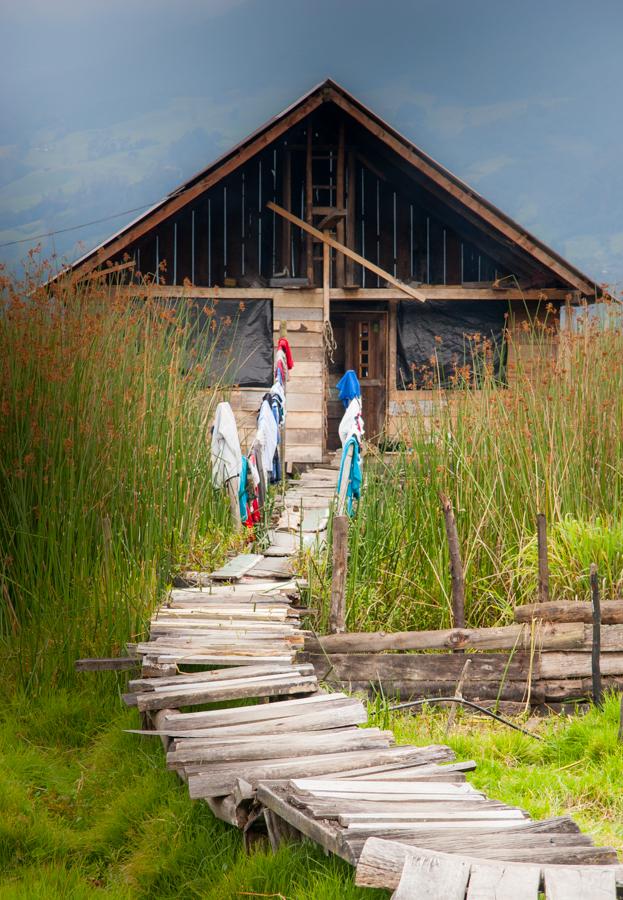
348	387
353	492
242	490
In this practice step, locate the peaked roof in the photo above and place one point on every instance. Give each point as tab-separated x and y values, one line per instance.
449	185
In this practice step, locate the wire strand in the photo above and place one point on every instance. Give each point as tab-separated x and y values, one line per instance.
44	234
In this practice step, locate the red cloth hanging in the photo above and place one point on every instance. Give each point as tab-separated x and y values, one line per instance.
284	345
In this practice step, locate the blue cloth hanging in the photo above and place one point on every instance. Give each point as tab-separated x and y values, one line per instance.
353	491
243	499
348	387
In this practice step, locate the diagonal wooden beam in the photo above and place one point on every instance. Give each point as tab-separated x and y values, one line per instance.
342	248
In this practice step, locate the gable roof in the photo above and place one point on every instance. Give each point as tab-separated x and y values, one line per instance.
451	188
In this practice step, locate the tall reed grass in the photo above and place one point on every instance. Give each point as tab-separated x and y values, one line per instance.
550	440
104	470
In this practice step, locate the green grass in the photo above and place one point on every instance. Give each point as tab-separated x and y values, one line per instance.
88	808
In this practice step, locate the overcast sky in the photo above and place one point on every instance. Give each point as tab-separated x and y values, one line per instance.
106	105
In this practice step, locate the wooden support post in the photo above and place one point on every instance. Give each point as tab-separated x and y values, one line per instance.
341	497
309	202
541	531
286	199
280	832
283	333
326	282
337	615
351	207
596	648
456	566
339	202
233	486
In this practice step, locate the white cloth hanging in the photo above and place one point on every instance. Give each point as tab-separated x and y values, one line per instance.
267	435
352	422
226	455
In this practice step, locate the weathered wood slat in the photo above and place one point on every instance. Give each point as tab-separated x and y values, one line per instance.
427	878
351	787
214	693
570	611
328	808
438	814
502	882
108	664
236	567
569	883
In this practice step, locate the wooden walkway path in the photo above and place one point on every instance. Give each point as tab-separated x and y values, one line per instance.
299	763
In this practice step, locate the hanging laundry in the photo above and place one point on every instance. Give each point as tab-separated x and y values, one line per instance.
277	389
226	455
281	365
267	435
352	422
285	346
348	387
355	475
243	494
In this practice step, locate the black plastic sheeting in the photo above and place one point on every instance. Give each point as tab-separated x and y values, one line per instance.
438	337
233	339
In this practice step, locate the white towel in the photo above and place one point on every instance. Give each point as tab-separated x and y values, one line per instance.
267	435
226	455
352	421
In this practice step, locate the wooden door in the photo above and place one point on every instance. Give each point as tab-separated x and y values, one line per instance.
366	353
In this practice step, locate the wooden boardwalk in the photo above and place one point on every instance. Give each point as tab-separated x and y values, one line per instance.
299	764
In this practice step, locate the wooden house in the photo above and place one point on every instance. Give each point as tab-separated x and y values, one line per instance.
329	224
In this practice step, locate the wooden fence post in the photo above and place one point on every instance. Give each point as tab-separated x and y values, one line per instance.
234	503
541	533
596	648
337	614
456	566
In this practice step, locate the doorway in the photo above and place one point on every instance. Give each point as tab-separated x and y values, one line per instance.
361	339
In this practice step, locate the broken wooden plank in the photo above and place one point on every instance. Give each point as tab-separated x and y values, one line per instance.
502	882
214	693
285	746
575	883
107	664
234	715
430	878
276	568
236	567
